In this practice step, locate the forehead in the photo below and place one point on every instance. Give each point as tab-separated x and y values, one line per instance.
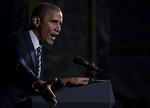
52	11
54	14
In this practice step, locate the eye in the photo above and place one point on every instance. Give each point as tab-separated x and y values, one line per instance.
54	21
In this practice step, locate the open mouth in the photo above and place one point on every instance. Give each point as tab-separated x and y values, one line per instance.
53	36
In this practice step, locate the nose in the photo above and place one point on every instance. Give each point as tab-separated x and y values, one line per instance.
58	28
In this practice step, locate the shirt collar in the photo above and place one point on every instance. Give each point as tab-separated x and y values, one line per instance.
34	39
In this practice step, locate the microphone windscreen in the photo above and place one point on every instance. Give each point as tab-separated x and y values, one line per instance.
80	61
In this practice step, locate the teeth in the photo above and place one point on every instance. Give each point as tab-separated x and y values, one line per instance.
53	38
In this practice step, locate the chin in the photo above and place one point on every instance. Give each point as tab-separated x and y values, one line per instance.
50	42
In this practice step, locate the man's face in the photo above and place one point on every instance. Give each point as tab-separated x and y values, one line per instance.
50	26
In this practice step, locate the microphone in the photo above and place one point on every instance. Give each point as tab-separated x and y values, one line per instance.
81	61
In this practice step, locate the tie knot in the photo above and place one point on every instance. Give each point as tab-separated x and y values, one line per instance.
39	50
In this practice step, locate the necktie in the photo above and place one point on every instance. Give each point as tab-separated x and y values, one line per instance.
39	52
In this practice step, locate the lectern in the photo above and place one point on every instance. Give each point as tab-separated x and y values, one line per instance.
95	95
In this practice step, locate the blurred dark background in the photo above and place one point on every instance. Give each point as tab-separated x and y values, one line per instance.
114	34
85	32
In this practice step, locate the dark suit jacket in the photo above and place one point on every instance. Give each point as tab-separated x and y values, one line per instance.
20	70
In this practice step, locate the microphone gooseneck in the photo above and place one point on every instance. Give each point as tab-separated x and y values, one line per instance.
81	61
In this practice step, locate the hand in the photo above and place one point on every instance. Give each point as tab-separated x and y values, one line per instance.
46	92
75	81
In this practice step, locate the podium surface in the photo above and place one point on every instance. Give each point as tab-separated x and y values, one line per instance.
97	95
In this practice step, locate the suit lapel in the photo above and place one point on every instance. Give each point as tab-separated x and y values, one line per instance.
30	47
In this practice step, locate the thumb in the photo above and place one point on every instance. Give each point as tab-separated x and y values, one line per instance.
50	82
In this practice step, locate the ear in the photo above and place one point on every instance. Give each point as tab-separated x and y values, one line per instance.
36	21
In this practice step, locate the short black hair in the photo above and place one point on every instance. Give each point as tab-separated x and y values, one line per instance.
41	9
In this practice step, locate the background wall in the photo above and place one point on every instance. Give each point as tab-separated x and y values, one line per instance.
114	34
129	53
84	33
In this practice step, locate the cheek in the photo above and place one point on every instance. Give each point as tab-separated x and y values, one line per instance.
47	27
51	26
46	32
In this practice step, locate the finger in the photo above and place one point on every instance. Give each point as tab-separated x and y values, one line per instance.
85	79
51	100
51	81
48	92
84	82
51	93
